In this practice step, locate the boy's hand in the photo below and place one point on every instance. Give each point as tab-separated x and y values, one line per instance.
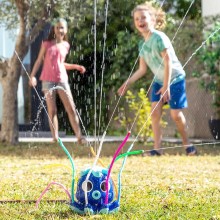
165	92
123	89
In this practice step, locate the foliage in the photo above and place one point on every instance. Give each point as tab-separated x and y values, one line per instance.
186	41
178	8
209	60
66	8
139	116
126	52
82	36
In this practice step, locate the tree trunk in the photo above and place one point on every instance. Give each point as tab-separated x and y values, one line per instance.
9	128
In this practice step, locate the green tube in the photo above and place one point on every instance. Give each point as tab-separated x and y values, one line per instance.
72	164
136	152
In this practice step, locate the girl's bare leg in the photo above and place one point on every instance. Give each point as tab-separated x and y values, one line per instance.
52	112
67	100
156	116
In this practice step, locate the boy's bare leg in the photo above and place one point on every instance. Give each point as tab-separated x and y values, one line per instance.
156	109
179	118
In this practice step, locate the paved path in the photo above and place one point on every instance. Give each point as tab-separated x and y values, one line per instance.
46	137
71	139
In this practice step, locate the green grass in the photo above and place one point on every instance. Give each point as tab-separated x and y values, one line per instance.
173	186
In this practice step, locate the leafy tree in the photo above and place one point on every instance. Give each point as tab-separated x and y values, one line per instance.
178	8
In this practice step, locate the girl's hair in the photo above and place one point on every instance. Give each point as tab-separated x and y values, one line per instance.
51	35
156	13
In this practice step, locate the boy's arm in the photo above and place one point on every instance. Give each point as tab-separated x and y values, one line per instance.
165	90
140	72
167	68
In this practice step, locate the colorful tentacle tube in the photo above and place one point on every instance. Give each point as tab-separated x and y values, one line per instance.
113	160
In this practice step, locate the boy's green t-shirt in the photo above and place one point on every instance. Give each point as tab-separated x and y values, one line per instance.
151	50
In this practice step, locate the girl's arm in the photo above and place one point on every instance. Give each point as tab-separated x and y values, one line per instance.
37	64
80	68
165	90
141	71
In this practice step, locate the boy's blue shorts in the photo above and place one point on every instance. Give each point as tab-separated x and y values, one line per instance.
178	98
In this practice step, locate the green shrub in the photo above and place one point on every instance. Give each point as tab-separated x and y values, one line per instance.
136	116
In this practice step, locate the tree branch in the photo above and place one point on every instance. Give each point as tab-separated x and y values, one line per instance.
40	23
20	46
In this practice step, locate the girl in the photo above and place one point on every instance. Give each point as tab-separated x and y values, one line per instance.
53	53
157	53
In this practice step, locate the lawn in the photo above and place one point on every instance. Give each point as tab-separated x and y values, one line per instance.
172	186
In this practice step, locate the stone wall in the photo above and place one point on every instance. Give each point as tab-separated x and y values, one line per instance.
199	111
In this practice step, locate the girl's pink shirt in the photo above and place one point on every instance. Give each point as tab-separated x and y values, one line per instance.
53	66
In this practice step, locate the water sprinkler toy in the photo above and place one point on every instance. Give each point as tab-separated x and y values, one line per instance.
95	187
95	193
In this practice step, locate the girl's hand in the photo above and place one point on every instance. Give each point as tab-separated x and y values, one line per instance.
82	69
165	92
123	89
33	81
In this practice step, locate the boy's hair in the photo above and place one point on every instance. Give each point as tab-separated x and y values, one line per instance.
156	13
51	35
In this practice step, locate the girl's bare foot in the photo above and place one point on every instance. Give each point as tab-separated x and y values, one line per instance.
82	141
55	140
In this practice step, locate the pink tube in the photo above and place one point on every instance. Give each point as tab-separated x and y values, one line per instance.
47	188
111	165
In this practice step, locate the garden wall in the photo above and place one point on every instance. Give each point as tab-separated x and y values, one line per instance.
199	111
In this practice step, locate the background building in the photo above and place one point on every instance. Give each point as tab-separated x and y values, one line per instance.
7	45
210	7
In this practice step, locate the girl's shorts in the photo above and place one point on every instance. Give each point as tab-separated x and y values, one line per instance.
46	85
178	99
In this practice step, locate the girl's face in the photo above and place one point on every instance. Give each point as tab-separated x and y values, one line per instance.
143	21
60	30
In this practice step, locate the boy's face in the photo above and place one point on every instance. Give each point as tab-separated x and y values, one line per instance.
60	30
142	21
